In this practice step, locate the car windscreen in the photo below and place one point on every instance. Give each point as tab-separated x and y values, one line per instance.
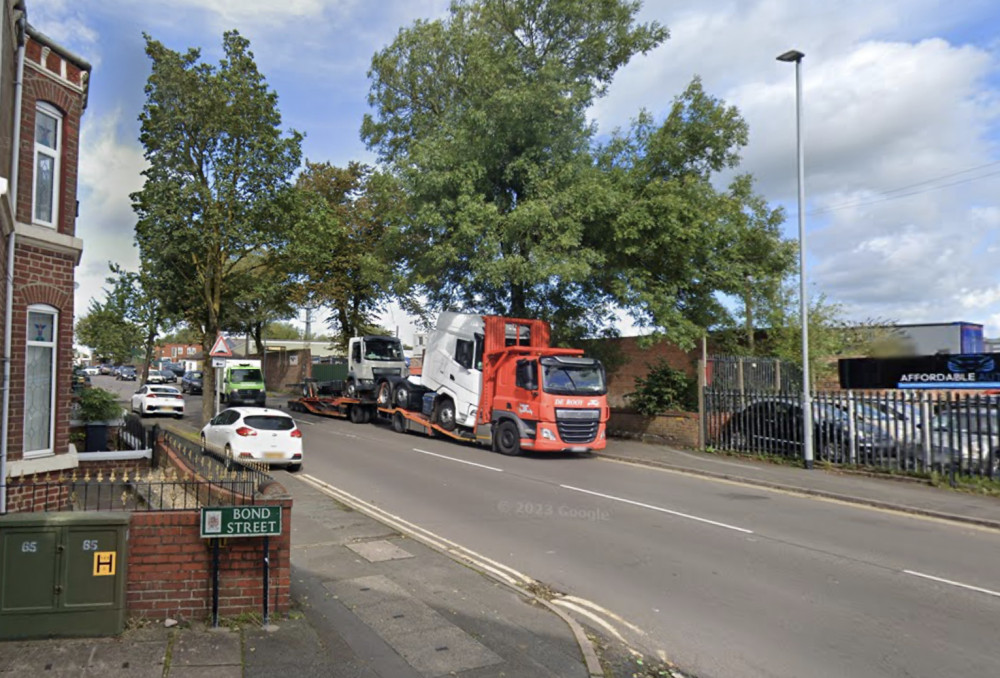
263	422
165	391
194	375
245	376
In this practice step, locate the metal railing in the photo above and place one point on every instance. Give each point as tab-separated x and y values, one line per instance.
921	431
205	480
747	373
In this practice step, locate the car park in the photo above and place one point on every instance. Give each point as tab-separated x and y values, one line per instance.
191	382
155	399
155	377
775	426
255	434
967	437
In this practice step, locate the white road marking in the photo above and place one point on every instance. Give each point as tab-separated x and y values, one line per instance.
460	461
658	508
953	583
592	617
303	421
597	608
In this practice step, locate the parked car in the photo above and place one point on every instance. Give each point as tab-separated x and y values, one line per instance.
168	376
104	369
256	434
158	400
968	438
92	370
191	382
81	379
155	377
775	426
176	368
126	373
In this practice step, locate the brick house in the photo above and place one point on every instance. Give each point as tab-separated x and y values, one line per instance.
43	93
177	353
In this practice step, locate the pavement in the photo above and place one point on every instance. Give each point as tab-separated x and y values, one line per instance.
370	602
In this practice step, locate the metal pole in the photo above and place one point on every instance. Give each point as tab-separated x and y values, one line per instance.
807	425
267	574
803	298
215	583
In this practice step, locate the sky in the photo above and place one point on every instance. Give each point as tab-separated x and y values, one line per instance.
900	102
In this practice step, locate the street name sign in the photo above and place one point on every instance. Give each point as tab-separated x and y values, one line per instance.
240	521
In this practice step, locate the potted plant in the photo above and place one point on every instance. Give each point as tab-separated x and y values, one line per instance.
98	409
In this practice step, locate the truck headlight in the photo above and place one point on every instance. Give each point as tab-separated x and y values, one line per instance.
548	435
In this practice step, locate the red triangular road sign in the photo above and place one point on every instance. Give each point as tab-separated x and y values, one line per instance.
220	349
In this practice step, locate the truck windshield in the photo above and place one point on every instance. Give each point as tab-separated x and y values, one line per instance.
383	349
245	376
573	376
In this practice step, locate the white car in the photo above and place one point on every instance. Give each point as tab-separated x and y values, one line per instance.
255	434
155	377
91	371
158	400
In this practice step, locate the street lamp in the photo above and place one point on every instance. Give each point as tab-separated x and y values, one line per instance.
795	56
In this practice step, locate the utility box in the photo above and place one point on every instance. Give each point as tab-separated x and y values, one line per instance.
62	574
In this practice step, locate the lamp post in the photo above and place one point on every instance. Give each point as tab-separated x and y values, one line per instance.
795	56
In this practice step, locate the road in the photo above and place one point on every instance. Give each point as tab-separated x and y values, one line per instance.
725	580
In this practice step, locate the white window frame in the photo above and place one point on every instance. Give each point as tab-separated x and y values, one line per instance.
54	345
56	155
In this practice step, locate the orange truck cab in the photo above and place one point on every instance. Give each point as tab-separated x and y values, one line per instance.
497	381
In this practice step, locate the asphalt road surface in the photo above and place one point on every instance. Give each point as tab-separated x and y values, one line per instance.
724	580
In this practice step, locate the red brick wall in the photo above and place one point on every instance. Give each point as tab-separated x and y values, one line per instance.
41	277
679	429
279	372
639	360
38	492
42	87
170	568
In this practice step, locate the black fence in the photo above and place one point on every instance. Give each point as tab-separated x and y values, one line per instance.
201	480
745	373
133	435
918	431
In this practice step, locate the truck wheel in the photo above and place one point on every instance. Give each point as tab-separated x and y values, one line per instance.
446	414
401	397
398	422
366	414
352	389
357	415
384	396
507	439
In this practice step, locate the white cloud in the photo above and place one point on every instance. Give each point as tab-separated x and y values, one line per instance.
110	169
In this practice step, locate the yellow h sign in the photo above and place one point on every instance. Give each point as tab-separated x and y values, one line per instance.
104	563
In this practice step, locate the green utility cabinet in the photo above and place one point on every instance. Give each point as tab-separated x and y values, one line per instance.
62	574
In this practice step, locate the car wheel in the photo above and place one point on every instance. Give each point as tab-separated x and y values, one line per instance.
446	414
738	440
507	439
830	451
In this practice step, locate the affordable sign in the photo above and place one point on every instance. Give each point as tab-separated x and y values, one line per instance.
240	521
969	371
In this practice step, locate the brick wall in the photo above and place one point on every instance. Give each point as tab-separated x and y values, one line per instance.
170	568
38	492
679	429
638	361
41	277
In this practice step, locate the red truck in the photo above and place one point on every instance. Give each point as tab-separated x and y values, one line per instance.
497	381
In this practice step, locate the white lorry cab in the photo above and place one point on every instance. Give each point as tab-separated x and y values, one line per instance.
373	359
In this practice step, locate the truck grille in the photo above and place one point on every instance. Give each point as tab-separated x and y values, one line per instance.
578	426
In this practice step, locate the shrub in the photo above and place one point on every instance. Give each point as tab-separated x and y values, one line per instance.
664	388
98	404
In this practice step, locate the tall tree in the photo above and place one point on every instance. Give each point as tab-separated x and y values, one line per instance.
342	254
676	242
482	116
218	166
105	329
